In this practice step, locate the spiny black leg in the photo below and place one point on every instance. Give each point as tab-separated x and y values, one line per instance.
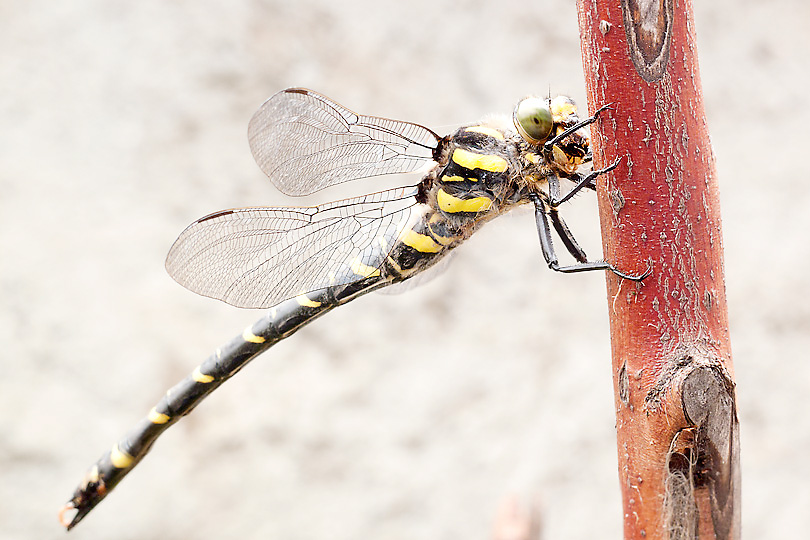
553	189
565	235
582	123
544	232
584	181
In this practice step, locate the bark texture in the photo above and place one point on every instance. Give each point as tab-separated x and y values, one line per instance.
677	427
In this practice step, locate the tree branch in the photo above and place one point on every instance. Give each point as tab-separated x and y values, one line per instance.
677	428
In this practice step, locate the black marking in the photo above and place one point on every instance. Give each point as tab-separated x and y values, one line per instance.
407	257
440	152
441	230
476	141
423	189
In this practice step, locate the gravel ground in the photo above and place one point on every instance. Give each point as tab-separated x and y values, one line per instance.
407	416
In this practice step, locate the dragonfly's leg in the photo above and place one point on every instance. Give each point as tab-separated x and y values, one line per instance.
581	182
553	189
566	236
546	244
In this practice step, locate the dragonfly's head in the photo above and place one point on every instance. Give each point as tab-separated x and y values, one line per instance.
541	120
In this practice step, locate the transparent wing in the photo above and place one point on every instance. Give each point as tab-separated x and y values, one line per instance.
258	257
306	142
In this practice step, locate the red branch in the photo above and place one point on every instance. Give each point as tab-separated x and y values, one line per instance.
675	405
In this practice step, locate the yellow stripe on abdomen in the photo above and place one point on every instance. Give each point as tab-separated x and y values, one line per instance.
420	242
250	337
119	458
471	160
454	205
158	418
304	301
200	377
364	270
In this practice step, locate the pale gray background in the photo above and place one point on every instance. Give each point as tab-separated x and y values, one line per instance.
394	417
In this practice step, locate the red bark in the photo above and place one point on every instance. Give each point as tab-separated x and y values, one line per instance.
677	427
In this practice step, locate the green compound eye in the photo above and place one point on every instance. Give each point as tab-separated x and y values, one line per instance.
533	120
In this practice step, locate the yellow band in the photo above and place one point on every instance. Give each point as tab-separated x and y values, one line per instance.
419	242
200	377
157	418
458	179
487	162
364	270
492	132
306	302
250	337
453	205
119	458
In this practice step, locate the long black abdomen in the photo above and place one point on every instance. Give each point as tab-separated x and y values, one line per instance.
417	246
282	321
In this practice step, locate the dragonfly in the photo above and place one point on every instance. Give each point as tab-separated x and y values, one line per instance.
302	262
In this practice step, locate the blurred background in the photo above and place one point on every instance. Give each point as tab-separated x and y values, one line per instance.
405	416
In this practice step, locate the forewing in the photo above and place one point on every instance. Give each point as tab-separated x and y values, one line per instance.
306	142
258	257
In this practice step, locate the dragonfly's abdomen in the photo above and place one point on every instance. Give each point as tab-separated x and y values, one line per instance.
281	321
418	245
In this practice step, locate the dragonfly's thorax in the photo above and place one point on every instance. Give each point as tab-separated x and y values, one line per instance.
478	174
484	170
